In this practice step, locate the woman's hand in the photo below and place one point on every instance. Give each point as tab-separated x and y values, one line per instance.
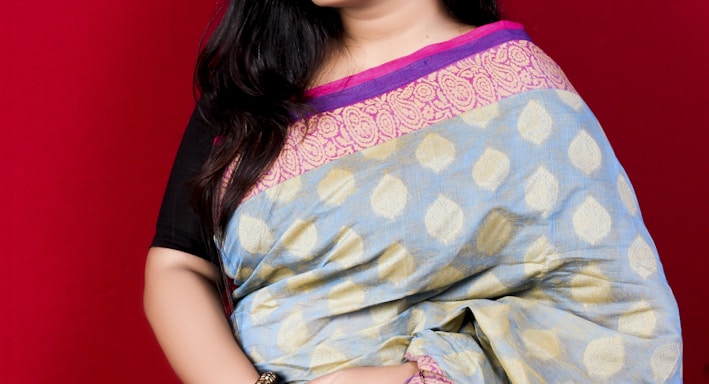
394	374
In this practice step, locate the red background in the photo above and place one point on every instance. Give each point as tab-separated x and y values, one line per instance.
94	97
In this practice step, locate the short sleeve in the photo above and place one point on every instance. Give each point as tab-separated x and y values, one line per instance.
179	226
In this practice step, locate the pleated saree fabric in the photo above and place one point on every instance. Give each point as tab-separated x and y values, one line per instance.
459	207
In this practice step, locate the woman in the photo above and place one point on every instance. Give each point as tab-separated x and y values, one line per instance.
400	191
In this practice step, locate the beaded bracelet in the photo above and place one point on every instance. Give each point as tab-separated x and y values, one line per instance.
267	378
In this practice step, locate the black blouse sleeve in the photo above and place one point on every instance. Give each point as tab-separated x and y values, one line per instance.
178	225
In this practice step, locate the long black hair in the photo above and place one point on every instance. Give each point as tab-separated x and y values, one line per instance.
251	77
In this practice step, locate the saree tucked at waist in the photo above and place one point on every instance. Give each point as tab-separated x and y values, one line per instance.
460	207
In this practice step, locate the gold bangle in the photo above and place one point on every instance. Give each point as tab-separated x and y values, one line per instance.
267	378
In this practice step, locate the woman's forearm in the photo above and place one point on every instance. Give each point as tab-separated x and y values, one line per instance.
184	310
393	374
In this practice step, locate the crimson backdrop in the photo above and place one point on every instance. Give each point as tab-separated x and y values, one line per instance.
97	95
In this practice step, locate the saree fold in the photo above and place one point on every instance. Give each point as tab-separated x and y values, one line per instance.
462	208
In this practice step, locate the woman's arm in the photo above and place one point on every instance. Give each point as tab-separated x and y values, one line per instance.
371	375
184	310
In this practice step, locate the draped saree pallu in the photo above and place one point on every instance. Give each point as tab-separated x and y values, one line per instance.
459	207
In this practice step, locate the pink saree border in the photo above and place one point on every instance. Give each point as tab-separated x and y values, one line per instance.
399	63
429	371
484	78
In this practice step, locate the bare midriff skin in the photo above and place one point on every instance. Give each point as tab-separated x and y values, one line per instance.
180	299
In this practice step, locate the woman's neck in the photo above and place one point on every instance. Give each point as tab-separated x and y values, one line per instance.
378	31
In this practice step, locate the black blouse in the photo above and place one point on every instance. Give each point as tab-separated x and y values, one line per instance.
179	226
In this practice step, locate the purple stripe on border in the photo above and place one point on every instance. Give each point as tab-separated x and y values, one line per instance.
413	71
